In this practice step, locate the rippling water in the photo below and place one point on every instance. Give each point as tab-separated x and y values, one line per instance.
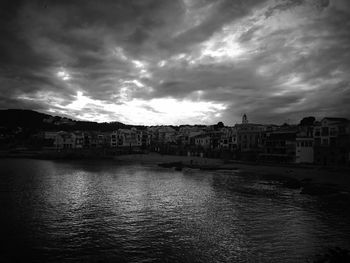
101	211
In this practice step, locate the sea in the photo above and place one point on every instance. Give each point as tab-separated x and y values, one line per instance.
106	211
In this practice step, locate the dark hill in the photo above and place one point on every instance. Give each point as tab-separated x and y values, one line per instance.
32	120
22	118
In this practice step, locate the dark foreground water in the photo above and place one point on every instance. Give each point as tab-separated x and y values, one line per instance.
101	211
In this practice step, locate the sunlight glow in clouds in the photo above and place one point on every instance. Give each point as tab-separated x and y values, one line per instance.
136	111
167	110
80	102
155	111
64	75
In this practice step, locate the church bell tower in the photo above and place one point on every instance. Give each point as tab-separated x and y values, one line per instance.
244	119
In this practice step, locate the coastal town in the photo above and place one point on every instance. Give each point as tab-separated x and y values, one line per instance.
323	142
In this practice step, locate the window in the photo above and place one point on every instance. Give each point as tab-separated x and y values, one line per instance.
317	141
325	131
333	132
333	141
325	141
317	132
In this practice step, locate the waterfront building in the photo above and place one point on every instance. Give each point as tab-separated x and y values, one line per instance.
229	138
126	138
65	140
79	140
203	141
331	141
249	136
280	145
304	150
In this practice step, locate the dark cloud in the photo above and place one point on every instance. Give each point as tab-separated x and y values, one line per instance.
274	61
284	5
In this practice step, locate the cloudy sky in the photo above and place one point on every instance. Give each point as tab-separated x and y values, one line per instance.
176	61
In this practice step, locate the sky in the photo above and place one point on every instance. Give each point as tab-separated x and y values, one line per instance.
154	62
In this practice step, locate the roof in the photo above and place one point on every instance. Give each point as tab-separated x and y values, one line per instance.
203	135
248	124
335	119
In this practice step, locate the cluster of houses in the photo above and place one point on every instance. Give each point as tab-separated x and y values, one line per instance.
325	142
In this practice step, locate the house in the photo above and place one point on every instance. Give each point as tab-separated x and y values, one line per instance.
215	139
114	139
145	138
50	135
249	136
186	132
192	137
304	152
280	146
79	139
126	138
91	139
65	140
331	141
166	134
162	135
49	138
229	138
203	141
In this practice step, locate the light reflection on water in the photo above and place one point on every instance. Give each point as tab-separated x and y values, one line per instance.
100	211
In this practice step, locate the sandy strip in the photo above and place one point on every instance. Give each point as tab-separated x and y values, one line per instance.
319	175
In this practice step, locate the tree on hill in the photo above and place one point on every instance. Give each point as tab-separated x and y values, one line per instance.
220	124
307	121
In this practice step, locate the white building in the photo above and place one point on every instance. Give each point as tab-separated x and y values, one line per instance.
304	150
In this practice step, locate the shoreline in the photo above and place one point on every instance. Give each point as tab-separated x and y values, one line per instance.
327	179
310	178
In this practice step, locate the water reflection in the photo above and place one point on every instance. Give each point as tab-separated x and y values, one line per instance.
101	211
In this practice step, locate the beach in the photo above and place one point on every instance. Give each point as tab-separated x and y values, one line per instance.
307	175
